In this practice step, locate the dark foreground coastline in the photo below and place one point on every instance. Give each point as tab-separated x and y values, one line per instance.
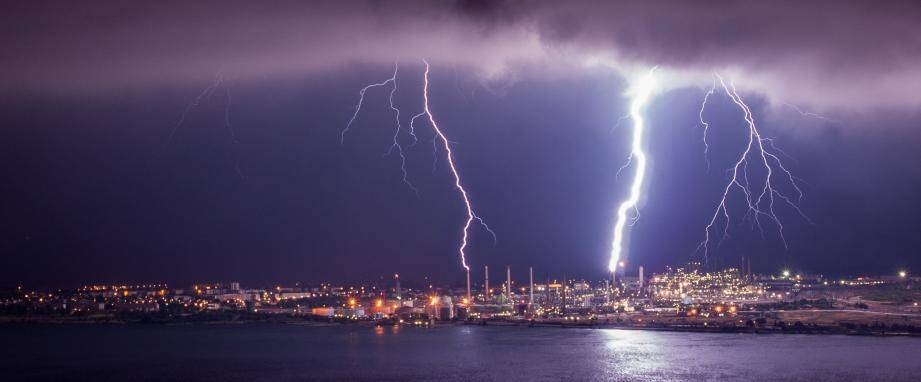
816	322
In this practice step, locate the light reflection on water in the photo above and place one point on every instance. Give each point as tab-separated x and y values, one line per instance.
443	353
630	355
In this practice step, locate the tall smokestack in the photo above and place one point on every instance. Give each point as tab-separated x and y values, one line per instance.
468	287
749	268
396	276
508	285
563	295
642	280
486	293
607	293
531	277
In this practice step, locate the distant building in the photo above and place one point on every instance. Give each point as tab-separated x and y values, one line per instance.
326	312
293	295
274	310
137	307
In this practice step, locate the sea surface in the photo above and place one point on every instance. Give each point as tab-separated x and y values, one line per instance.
278	352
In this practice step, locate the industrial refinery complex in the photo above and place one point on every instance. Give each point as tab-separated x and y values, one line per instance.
683	298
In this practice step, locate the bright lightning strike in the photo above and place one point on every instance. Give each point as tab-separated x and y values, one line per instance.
457	180
640	95
762	150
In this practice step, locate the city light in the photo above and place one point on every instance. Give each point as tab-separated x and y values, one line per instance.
680	297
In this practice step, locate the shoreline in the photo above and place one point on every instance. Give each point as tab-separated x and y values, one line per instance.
804	328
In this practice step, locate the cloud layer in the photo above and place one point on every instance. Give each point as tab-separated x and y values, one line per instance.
826	53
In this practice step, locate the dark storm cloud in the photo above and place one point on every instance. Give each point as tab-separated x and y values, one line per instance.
834	53
66	46
826	52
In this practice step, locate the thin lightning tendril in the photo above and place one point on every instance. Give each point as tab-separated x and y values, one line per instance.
206	93
640	97
809	113
395	146
762	204
233	134
620	121
704	124
361	99
412	128
471	216
396	135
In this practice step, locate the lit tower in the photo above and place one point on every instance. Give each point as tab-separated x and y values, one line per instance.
508	284
531	296
486	292
396	276
607	292
468	286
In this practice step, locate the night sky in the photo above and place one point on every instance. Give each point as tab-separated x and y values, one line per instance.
255	187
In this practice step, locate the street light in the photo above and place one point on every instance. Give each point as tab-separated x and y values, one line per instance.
903	274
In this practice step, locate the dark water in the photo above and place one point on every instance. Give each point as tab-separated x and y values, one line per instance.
449	353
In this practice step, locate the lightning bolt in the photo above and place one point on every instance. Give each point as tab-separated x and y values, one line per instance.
206	93
704	124
233	134
809	113
762	150
361	100
640	95
471	215
395	146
